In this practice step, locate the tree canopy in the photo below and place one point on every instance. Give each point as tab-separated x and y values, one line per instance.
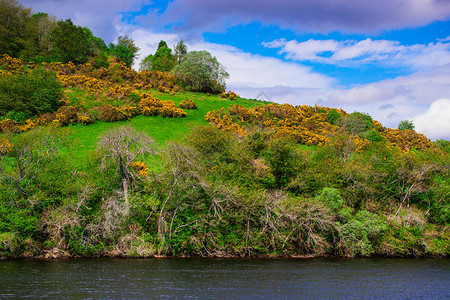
201	71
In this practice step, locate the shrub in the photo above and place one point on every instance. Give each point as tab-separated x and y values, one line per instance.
168	111
334	117
443	145
188	104
232	96
372	136
111	114
31	93
331	198
361	234
149	106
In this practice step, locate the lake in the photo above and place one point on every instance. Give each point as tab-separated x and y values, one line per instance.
176	278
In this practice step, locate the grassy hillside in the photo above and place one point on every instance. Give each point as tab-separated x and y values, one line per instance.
160	129
79	177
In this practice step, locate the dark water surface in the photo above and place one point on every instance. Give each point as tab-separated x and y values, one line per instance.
226	278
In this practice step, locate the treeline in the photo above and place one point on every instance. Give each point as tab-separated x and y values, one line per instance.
40	37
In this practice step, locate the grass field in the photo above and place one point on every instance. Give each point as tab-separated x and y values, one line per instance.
162	130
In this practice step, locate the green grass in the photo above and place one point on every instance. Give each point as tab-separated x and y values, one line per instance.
162	130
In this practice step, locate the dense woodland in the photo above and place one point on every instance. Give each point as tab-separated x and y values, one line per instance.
97	159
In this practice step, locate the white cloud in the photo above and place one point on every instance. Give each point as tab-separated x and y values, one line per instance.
435	122
352	53
389	101
247	71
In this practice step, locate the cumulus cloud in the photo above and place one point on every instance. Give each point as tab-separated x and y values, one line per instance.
308	15
101	16
352	53
435	121
247	70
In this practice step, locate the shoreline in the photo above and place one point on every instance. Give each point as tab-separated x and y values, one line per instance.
62	255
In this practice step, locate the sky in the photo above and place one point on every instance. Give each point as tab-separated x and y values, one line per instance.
387	58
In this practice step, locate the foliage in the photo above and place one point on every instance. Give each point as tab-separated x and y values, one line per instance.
334	117
13	18
188	104
70	43
123	54
163	59
362	234
180	51
30	94
125	50
406	124
146	63
201	72
357	123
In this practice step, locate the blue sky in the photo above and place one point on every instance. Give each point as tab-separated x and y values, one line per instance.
388	58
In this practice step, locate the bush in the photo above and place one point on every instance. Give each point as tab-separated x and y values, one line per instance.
361	234
188	104
334	117
30	94
331	198
111	114
372	136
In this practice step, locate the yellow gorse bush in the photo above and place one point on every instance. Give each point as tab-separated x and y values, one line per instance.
140	168
5	146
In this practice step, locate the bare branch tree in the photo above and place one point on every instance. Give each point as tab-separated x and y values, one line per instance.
123	146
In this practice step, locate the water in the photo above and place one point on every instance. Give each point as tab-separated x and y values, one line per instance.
226	278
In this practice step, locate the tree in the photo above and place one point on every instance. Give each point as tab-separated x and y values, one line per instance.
126	41
180	51
163	59
147	63
122	147
357	123
70	43
13	18
123	54
406	124
97	44
125	50
201	71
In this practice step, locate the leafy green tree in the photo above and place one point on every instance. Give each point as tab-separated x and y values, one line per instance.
32	93
70	43
13	19
281	159
406	124
163	59
180	51
123	54
38	37
126	41
97	44
334	117
147	63
201	71
125	50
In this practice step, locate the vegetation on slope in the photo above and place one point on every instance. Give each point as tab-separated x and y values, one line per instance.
108	161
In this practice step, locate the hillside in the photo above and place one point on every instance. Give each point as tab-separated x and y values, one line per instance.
120	168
